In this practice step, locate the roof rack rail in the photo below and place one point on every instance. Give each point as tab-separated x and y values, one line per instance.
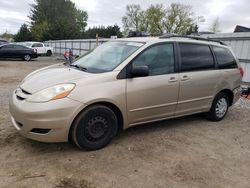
191	37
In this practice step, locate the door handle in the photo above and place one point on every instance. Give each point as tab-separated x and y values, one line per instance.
173	79
185	78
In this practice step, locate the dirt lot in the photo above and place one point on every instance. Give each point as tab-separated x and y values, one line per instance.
185	152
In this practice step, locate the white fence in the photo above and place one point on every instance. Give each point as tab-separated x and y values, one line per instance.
79	47
246	67
239	42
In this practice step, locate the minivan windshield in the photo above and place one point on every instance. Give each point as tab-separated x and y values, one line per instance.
107	56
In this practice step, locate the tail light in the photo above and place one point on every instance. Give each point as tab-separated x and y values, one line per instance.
241	71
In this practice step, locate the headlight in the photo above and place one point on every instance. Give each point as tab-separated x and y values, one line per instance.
52	93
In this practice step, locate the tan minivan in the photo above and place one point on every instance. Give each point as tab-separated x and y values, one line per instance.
123	83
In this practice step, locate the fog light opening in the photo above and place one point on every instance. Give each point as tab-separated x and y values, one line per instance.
40	131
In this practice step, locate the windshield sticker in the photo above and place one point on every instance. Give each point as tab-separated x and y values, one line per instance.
137	44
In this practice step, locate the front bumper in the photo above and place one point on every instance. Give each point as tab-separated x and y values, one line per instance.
55	116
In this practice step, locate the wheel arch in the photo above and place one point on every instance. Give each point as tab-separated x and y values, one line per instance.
110	105
49	52
230	95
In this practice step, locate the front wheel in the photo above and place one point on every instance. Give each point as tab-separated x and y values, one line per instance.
94	128
27	57
219	107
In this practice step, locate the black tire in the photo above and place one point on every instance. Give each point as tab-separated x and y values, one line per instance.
49	53
27	57
94	128
219	115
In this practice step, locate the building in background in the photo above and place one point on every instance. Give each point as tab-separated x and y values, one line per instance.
239	41
2	41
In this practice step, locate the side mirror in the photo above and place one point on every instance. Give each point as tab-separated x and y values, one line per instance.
139	71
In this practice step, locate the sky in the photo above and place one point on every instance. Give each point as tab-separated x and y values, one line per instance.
13	13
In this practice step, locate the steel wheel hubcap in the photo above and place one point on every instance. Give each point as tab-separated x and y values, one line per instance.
221	108
96	128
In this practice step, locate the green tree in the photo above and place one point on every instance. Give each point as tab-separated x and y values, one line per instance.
23	34
155	19
143	21
7	35
57	19
114	30
215	26
179	18
192	29
103	32
40	30
81	19
133	18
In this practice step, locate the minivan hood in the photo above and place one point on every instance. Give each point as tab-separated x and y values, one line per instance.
50	76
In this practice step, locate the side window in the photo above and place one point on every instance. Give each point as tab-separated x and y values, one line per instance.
224	58
17	47
39	45
159	59
7	47
195	57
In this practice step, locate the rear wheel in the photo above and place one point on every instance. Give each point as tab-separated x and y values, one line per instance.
94	128
27	57
49	53
219	107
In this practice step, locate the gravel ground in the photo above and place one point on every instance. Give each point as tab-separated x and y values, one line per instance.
184	152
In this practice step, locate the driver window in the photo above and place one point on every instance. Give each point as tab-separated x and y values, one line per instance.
159	59
39	45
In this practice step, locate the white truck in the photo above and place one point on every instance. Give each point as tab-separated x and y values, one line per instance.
40	48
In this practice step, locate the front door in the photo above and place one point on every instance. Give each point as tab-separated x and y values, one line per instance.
153	97
39	47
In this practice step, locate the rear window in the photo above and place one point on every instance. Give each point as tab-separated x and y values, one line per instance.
196	57
224	58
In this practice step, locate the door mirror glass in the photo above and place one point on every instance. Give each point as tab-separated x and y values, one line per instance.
139	71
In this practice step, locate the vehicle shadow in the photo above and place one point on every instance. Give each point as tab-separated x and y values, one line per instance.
163	125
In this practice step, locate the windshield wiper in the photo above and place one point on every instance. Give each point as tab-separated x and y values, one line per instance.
79	67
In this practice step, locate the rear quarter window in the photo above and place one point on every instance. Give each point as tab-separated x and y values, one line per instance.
225	58
195	57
